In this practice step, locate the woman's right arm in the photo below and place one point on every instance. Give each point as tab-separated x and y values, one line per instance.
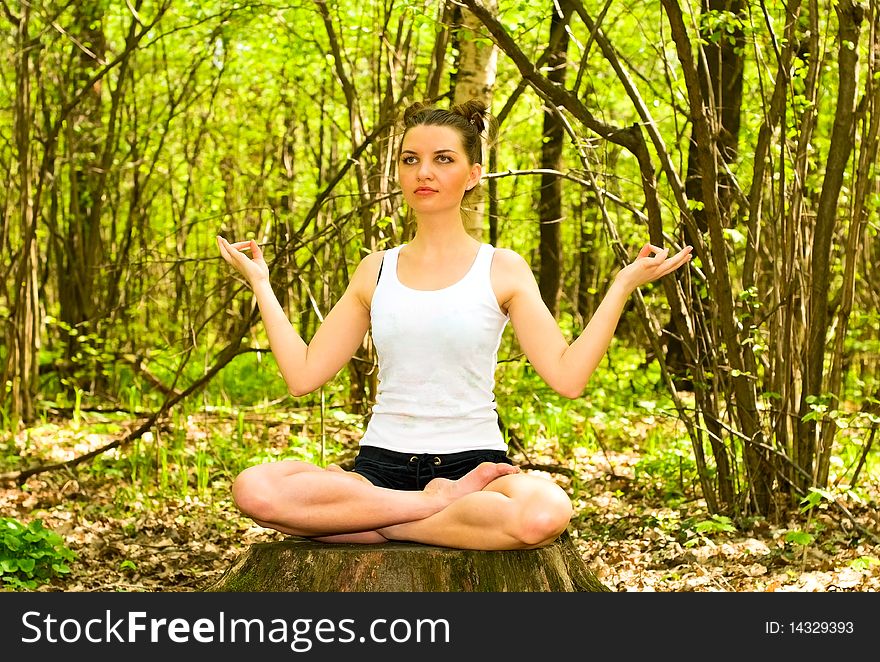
307	367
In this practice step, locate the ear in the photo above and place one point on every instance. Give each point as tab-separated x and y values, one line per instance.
476	174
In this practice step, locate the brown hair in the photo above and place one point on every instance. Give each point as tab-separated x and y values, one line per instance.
471	119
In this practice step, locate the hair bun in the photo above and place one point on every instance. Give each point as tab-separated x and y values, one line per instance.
474	111
413	109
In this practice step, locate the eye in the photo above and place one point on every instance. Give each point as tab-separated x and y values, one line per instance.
408	160
444	158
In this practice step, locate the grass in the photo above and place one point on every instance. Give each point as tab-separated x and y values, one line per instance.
617	440
245	418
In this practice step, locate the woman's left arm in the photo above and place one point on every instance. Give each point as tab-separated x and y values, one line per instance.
567	367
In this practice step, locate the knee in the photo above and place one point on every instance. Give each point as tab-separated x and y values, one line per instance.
251	493
255	491
545	518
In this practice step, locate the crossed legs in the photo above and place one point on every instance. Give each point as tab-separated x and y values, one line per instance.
492	507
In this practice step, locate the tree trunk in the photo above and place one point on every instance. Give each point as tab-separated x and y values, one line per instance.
850	16
721	82
550	206
475	79
302	565
20	383
79	271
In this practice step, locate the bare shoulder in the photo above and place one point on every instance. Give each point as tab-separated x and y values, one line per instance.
363	281
508	260
371	262
511	274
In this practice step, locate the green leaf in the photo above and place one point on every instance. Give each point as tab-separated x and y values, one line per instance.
798	538
11	542
27	565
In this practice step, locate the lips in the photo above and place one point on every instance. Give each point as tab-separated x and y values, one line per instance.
424	190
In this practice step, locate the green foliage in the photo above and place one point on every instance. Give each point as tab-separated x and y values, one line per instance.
716	524
865	563
233	119
815	497
667	466
801	538
31	554
129	565
703	530
248	380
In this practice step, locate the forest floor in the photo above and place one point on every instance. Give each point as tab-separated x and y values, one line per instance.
626	529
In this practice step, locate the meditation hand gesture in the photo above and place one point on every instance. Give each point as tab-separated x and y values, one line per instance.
254	268
646	268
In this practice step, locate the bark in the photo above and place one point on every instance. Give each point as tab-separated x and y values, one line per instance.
438	55
20	384
720	75
301	565
850	16
866	181
550	205
78	273
706	132
475	79
362	376
779	368
587	289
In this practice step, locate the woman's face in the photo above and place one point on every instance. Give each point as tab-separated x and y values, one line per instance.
434	171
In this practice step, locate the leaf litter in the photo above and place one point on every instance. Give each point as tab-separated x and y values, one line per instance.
630	536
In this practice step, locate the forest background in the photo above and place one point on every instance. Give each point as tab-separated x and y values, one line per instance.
726	442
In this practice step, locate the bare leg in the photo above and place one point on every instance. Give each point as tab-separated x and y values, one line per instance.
361	537
301	499
512	512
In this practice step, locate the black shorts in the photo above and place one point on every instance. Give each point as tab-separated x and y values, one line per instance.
408	471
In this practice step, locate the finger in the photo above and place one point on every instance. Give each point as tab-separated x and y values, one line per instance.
661	255
647	249
255	250
227	251
678	259
222	245
235	244
674	263
239	247
222	241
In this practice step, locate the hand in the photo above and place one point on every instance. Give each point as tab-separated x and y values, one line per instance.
253	268
646	268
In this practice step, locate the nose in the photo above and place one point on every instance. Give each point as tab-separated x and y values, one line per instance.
424	171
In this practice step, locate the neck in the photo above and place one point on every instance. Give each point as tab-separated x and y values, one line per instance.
441	234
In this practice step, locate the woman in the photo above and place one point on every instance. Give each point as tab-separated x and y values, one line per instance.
431	466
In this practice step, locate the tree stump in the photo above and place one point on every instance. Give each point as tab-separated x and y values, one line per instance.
302	565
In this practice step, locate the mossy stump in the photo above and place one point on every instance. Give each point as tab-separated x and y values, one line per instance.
302	565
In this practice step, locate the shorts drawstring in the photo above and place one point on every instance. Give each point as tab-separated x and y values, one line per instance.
409	471
424	461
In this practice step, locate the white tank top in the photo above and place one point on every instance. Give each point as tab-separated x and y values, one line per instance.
437	353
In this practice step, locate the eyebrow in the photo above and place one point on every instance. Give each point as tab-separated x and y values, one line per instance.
436	151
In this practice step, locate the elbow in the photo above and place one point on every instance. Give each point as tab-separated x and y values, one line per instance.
571	391
299	390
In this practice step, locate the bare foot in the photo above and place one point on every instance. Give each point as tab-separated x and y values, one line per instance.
335	467
473	481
